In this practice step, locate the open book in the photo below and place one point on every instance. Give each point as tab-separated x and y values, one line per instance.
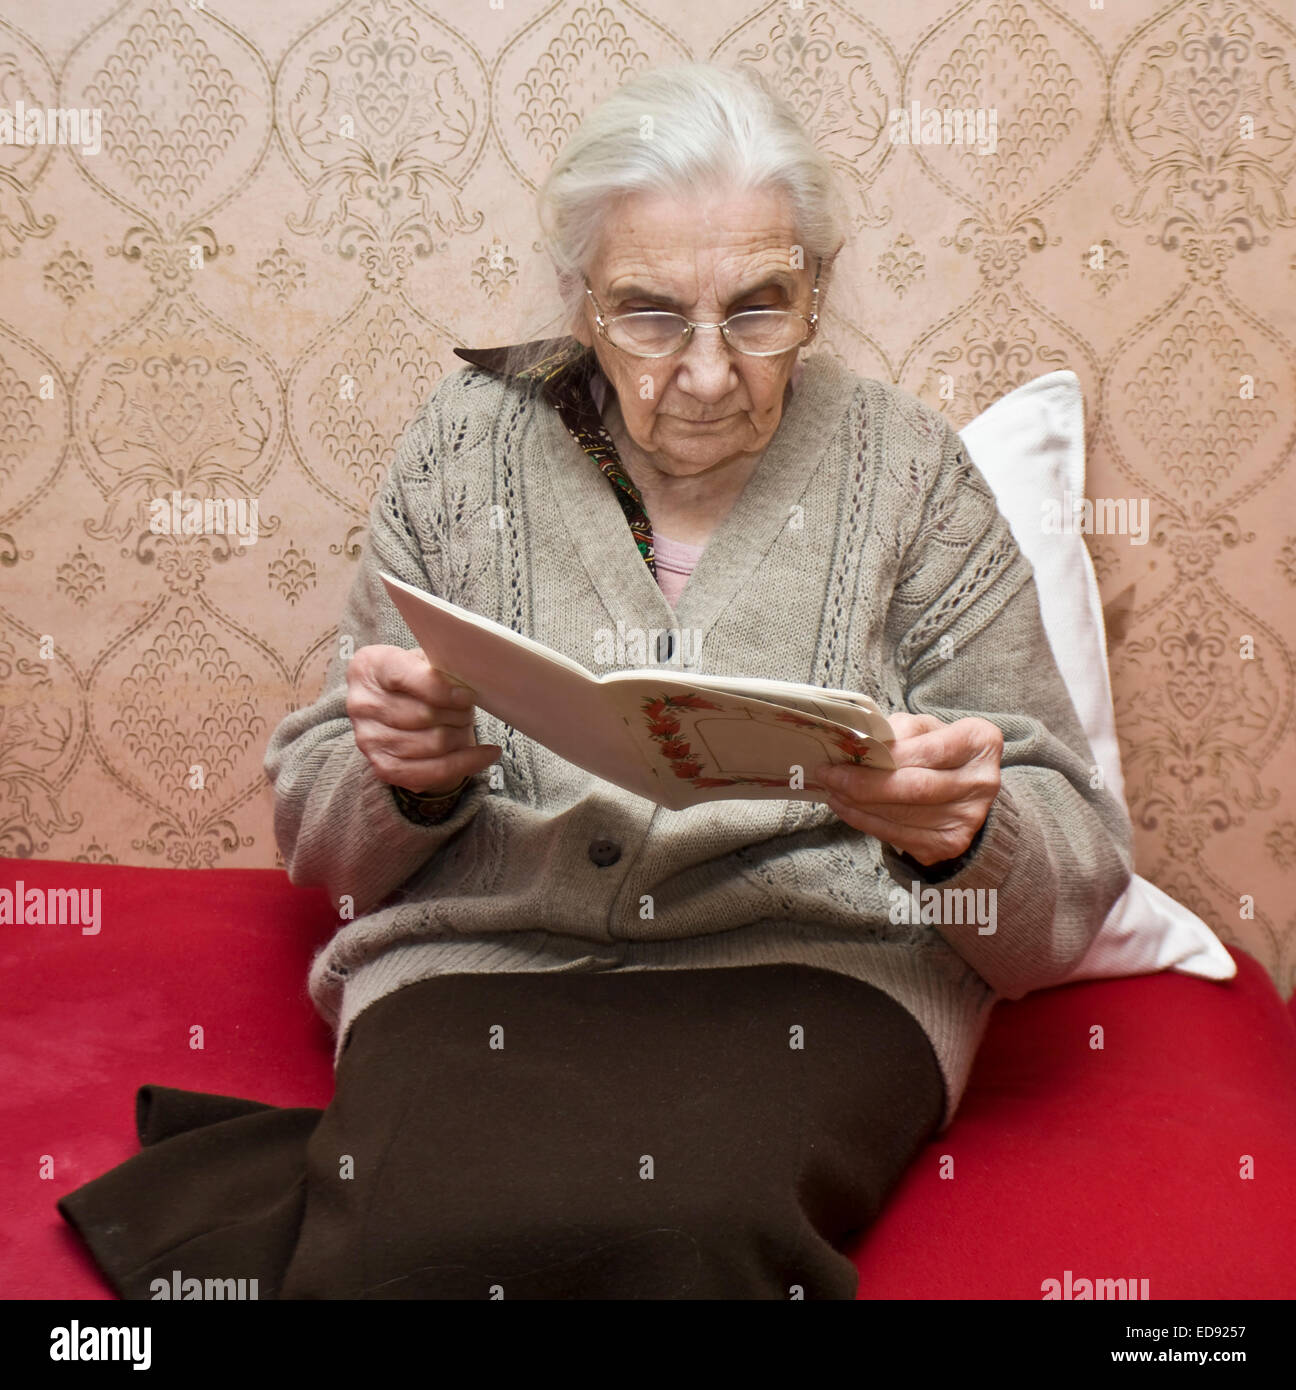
672	735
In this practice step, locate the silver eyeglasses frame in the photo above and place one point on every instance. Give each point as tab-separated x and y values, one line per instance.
812	320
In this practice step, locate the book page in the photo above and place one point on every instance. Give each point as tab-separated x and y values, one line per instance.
536	690
757	686
862	719
781	692
847	707
704	745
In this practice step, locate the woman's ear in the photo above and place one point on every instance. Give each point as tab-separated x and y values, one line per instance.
577	294
571	291
826	270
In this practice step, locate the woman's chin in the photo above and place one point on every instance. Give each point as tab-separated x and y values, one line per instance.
697	448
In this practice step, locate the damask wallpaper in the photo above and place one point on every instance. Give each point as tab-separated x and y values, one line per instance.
276	199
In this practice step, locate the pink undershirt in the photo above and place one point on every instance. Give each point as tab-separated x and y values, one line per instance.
675	559
675	562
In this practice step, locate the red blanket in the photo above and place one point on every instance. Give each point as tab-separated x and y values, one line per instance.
1167	1155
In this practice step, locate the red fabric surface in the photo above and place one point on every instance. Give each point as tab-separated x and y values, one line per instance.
1119	1163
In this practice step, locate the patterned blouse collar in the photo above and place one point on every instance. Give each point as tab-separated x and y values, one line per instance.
555	363
564	369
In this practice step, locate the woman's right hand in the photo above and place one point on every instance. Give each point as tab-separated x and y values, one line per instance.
412	722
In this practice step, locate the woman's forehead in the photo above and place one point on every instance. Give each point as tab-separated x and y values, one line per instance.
703	218
669	247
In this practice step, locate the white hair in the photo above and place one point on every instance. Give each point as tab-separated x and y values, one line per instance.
687	128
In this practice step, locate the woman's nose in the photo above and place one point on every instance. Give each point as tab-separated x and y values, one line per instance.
707	366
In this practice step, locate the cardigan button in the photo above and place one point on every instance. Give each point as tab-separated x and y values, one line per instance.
604	852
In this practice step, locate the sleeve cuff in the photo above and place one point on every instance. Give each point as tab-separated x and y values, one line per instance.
987	859
422	809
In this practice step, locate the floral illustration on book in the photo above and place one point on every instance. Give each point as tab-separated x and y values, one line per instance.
711	741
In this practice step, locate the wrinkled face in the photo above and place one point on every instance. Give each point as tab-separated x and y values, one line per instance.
705	257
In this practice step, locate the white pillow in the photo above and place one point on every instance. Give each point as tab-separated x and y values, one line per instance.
1030	448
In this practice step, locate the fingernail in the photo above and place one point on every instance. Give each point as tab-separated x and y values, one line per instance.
461	695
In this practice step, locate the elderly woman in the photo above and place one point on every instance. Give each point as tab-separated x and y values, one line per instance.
588	1047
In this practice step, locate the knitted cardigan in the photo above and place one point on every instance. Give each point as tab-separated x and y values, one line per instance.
866	552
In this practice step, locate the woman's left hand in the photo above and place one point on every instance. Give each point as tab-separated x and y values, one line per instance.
937	798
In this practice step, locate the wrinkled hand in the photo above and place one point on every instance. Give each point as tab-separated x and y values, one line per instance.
412	722
937	798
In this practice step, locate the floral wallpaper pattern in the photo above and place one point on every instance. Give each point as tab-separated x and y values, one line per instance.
245	283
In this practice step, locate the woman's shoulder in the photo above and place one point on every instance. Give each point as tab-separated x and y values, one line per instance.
492	380
894	417
459	412
466	389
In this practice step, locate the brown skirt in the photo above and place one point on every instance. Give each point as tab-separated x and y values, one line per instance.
684	1134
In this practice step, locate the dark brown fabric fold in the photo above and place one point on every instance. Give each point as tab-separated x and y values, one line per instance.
707	1134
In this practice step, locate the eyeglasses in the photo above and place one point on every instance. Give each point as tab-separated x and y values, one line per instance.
753	332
